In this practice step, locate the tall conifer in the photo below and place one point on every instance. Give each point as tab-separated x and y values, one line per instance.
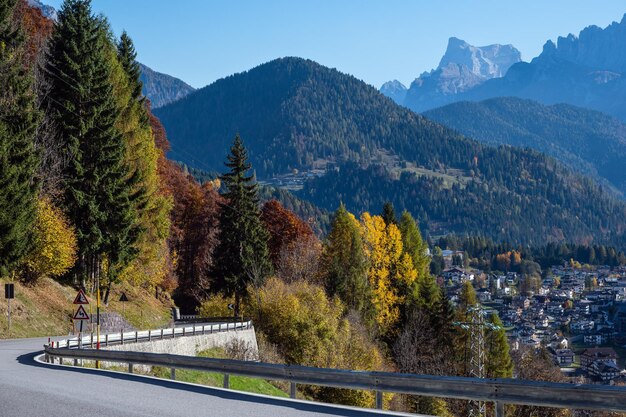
499	363
18	158
389	214
151	208
344	264
242	256
82	105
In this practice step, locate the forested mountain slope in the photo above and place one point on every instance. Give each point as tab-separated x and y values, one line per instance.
296	114
586	140
161	88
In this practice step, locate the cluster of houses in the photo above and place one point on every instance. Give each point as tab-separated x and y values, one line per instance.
578	314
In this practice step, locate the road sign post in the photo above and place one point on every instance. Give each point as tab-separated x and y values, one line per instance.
123	300
80	314
9	293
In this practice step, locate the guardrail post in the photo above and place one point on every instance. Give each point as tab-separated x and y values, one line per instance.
136	336
292	390
499	409
106	339
379	400
226	381
130	368
149	335
173	374
194	329
122	337
161	333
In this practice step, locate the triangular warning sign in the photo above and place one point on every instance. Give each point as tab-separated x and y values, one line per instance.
81	298
81	314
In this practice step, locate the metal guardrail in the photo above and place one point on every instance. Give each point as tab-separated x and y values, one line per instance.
498	391
110	339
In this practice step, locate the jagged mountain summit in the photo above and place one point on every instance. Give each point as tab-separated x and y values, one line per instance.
162	89
486	62
395	90
462	68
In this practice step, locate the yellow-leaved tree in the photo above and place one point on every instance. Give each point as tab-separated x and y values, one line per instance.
391	272
309	328
55	246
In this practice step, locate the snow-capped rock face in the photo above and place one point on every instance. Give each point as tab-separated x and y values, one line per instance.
395	90
46	10
487	62
462	68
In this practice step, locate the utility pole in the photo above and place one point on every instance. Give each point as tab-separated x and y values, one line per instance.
476	326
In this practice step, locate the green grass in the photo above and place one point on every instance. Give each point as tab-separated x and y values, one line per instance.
211	379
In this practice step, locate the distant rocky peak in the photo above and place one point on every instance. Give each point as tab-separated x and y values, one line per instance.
46	10
395	90
491	61
594	47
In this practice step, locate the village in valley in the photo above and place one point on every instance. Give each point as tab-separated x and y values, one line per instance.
577	312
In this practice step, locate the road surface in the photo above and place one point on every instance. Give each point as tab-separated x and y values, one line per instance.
31	389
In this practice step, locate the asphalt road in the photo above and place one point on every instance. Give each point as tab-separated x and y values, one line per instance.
31	389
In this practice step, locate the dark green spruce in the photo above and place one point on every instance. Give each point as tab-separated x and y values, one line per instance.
18	157
81	104
128	58
242	257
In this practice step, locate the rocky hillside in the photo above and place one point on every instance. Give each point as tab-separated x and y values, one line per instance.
162	89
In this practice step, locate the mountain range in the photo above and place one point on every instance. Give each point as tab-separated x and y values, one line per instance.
588	70
587	141
298	116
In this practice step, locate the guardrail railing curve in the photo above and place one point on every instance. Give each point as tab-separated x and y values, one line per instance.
109	339
498	391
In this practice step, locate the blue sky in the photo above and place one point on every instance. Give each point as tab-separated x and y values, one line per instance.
200	41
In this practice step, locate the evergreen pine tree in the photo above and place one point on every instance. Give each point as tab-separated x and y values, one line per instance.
442	321
242	256
141	155
82	106
499	363
128	58
389	214
467	297
414	244
426	291
18	157
344	263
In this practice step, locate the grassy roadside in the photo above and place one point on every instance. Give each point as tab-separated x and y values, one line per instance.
238	383
45	309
